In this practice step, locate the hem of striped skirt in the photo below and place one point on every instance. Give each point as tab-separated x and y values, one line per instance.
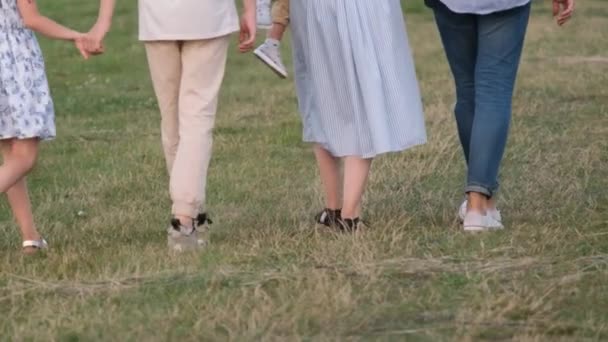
342	154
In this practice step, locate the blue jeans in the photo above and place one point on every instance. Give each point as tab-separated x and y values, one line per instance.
484	52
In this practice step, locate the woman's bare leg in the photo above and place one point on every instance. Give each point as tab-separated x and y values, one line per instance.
329	169
356	174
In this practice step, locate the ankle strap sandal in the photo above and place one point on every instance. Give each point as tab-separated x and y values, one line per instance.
36	244
201	220
351	225
328	217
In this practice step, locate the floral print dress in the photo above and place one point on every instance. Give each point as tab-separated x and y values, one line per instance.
26	107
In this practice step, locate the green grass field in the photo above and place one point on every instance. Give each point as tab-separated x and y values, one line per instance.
268	275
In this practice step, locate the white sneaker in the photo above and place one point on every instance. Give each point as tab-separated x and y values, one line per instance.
264	15
270	54
493	223
475	222
494	214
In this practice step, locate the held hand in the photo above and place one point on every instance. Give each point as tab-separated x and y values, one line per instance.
248	31
80	45
94	39
562	10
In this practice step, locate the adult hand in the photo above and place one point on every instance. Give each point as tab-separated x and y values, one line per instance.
94	38
248	31
562	10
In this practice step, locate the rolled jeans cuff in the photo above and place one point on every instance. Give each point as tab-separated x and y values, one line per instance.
480	188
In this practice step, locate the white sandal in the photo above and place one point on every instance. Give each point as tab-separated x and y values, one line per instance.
36	244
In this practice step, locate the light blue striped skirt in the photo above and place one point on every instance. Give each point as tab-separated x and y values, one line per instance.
355	77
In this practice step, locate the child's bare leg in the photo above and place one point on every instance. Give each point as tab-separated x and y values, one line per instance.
270	51
19	201
19	159
277	31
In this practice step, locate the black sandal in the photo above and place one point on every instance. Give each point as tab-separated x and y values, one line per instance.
182	238
328	217
349	225
201	220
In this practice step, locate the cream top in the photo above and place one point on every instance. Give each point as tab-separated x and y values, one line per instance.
186	19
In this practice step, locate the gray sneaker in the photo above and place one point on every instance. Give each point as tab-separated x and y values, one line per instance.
181	238
270	54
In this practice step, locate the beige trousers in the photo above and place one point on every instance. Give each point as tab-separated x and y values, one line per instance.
280	12
187	76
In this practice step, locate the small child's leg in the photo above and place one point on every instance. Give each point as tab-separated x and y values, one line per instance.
19	201
280	12
19	158
269	52
277	31
280	19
